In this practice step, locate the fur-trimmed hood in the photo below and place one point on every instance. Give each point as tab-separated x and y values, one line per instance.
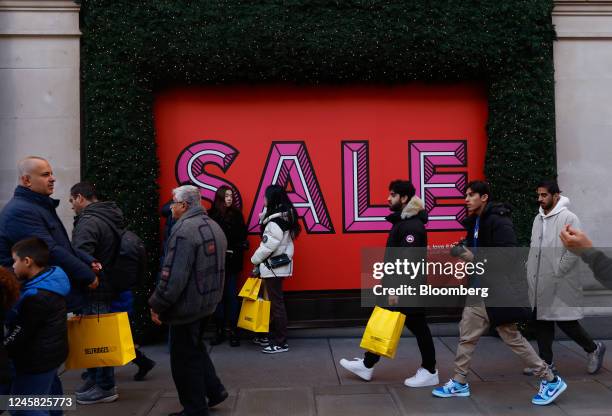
414	208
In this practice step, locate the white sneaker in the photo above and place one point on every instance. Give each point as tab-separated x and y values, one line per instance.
358	368
422	378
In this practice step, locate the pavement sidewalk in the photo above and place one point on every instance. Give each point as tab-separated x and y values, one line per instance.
309	381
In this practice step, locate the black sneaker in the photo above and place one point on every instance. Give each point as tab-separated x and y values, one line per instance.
218	398
263	341
144	366
234	341
274	349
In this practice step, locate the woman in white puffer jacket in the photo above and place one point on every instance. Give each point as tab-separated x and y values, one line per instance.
280	227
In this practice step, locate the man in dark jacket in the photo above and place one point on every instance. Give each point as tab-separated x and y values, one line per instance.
579	243
37	339
189	289
31	213
97	228
95	232
408	219
489	225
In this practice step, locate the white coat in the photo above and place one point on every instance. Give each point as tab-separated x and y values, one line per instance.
274	242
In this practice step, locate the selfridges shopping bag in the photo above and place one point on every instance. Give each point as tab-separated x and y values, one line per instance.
383	332
255	315
251	287
103	340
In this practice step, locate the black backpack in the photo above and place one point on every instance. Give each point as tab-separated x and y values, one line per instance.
128	270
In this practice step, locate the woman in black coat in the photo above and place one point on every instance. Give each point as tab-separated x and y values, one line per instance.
225	213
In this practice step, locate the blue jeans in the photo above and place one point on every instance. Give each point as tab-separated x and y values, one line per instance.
40	384
104	377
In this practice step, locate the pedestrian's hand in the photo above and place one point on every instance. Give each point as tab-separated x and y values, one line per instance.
94	284
574	240
393	300
96	266
155	318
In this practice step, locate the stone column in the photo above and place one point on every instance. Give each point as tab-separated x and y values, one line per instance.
583	105
39	92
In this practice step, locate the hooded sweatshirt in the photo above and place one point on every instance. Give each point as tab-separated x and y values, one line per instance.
95	232
37	338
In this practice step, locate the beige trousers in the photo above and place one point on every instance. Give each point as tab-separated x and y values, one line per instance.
474	323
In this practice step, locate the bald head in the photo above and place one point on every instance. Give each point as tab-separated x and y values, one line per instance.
35	173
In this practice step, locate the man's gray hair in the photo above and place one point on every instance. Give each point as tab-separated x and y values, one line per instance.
188	194
24	166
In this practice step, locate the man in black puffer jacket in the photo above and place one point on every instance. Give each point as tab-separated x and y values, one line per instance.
408	219
489	226
37	339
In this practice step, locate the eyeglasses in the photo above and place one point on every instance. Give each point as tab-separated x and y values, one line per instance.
176	202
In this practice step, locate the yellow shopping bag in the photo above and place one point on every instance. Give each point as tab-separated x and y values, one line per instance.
383	332
251	287
103	340
255	315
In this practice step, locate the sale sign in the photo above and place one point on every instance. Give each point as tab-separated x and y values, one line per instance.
335	150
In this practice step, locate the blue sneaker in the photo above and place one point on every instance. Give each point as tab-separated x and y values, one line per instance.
549	391
452	389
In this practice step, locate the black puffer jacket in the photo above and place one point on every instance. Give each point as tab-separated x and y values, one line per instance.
232	224
93	233
496	230
408	231
37	339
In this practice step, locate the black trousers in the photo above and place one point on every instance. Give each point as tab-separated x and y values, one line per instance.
417	324
193	372
546	334
278	313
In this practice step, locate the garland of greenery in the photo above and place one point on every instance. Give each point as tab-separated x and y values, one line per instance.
132	48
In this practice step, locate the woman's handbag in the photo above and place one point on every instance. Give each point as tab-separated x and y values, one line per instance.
277	261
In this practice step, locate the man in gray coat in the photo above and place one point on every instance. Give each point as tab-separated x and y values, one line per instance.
555	281
189	289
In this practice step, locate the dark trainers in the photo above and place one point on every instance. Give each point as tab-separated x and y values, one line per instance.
218	398
273	349
97	395
144	366
263	341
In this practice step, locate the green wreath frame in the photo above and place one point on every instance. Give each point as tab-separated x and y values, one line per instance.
130	49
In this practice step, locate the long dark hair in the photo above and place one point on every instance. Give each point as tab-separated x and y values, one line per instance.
278	201
218	207
9	289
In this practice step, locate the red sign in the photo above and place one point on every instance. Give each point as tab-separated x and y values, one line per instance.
335	149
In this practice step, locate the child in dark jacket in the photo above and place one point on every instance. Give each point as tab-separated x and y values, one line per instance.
37	340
